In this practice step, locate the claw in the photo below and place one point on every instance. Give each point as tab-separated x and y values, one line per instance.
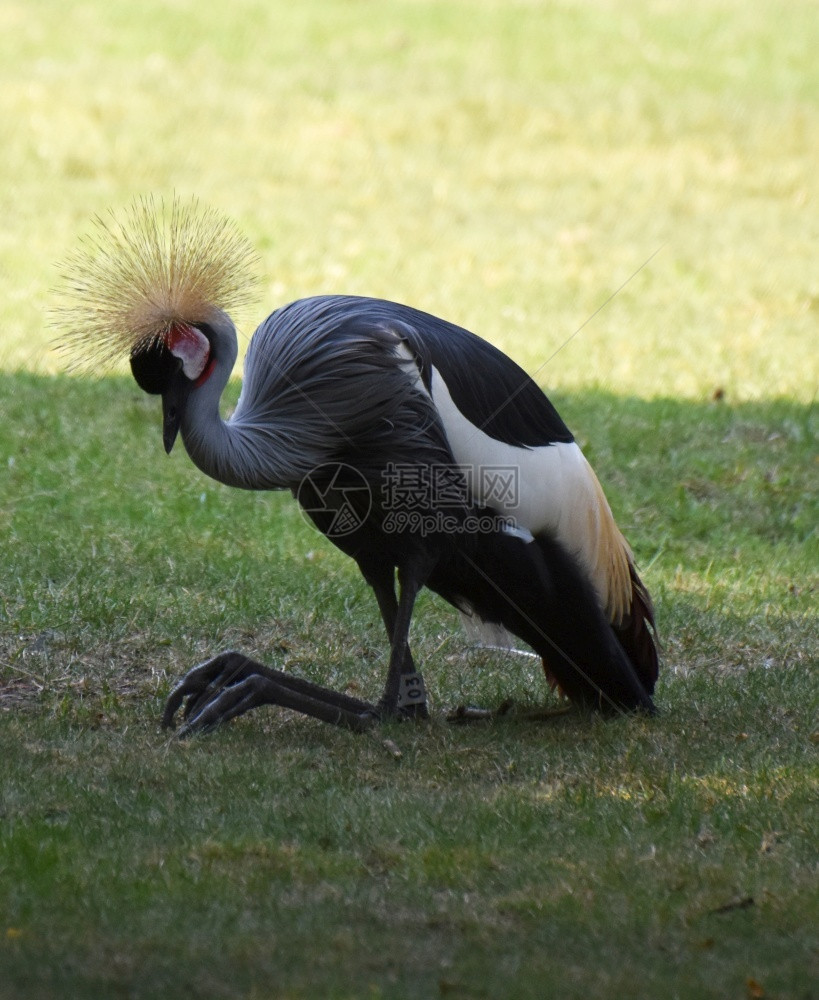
470	713
203	684
231	684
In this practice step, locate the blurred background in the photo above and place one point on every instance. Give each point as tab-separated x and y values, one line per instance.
507	165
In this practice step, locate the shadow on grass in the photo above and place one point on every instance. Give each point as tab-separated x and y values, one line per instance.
115	554
576	858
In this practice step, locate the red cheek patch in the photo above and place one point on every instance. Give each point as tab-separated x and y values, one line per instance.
206	374
192	348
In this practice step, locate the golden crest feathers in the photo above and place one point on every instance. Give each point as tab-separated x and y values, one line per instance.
136	276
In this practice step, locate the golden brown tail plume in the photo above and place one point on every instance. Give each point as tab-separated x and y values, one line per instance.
637	633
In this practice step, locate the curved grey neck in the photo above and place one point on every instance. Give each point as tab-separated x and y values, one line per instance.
222	449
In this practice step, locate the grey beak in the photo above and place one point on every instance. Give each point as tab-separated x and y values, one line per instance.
171	419
174	400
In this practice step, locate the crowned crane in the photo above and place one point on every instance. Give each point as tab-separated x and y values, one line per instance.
419	449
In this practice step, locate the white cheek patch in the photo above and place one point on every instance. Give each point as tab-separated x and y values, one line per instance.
192	348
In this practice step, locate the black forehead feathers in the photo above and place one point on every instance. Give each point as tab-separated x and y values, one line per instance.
153	367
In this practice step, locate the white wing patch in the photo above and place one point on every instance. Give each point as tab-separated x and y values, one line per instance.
556	492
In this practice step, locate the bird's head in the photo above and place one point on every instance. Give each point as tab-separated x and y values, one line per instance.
172	368
156	286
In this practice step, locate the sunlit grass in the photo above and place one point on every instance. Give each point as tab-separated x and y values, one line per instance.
508	167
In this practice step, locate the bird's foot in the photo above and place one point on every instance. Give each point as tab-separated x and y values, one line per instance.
204	683
231	684
470	713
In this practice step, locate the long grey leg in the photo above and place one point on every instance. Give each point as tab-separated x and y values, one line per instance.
399	689
412	696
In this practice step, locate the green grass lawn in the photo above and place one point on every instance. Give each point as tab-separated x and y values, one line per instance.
514	167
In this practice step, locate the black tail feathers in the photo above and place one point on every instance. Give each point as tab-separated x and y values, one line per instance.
537	592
